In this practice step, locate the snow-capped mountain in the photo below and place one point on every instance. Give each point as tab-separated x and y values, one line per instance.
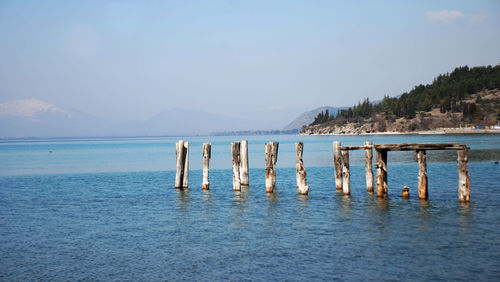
30	108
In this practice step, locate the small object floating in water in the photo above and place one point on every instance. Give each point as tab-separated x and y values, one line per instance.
406	192
496	162
50	151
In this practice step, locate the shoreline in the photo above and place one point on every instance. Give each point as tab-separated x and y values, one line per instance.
441	131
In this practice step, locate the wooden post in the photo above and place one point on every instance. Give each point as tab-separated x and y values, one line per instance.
463	176
185	176
405	193
422	174
207	150
368	167
337	162
381	179
346	185
235	152
244	163
179	153
271	158
302	187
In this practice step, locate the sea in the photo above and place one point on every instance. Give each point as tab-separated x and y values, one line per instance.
105	209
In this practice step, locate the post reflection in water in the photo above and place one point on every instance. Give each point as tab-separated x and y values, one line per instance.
207	197
183	214
302	199
272	200
424	214
379	208
240	206
207	201
346	206
302	215
183	199
466	219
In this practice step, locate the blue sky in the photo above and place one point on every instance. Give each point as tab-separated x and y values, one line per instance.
265	60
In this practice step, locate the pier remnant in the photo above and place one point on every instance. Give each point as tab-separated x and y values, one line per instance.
346	185
368	166
182	164
344	165
462	159
235	152
463	175
337	162
302	187
381	179
422	174
405	193
207	151
271	155
244	163
185	175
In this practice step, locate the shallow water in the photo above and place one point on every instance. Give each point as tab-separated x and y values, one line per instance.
106	209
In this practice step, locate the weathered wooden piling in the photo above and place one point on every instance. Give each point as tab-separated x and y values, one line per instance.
337	162
235	152
179	154
185	176
463	175
422	174
368	166
207	152
302	187
405	193
182	164
271	158
381	178
346	174
244	163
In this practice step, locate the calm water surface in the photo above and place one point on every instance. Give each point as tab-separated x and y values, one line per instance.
106	209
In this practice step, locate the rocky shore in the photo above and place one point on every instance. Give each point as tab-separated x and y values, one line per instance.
385	127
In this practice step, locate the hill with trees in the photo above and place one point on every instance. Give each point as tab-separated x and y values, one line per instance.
466	96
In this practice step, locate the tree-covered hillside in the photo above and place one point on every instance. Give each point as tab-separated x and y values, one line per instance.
450	92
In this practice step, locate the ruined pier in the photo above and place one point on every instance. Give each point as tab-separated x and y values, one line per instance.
239	157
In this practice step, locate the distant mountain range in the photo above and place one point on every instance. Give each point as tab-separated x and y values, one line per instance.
34	118
308	117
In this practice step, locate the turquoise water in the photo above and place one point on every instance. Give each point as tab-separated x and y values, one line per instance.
106	209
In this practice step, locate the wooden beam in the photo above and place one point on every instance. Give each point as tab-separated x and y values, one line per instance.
419	146
357	147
